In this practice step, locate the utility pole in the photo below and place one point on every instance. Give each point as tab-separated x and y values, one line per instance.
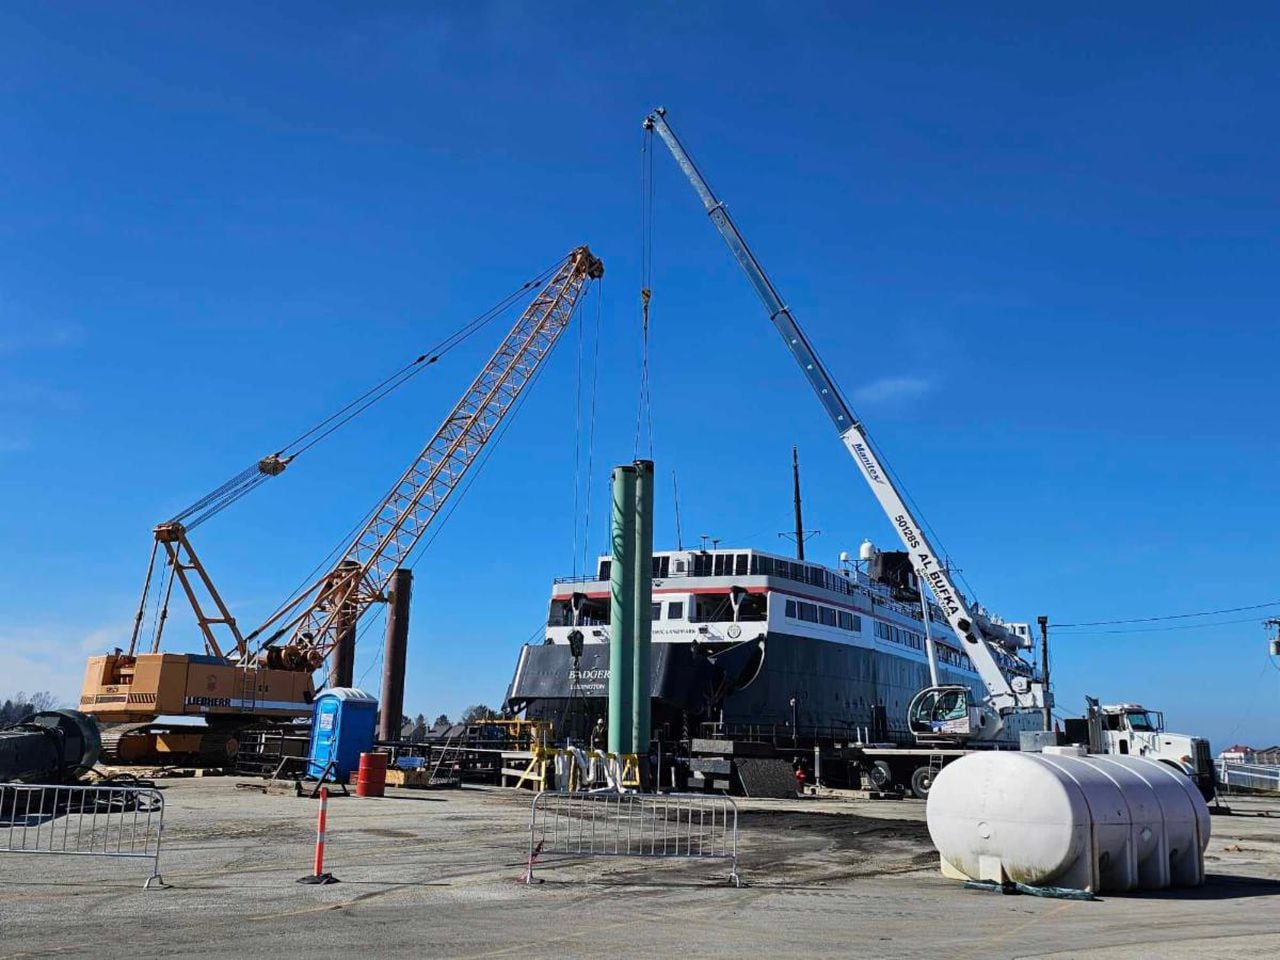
1044	670
800	535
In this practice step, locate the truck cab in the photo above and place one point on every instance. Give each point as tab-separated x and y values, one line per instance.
1132	729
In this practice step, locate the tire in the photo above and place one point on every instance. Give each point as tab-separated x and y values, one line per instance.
922	782
880	774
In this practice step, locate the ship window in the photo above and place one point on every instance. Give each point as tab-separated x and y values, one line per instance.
740	565
711	607
828	616
884	631
755	564
661	566
655	611
791	609
754	606
595	613
808	612
846	620
857	623
702	564
561	614
605	569
675	610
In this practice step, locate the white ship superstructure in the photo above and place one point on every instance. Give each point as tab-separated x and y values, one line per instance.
847	645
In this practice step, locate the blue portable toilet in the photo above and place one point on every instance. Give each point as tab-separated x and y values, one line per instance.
342	725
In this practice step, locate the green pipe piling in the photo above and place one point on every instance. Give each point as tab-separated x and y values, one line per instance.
622	575
641	702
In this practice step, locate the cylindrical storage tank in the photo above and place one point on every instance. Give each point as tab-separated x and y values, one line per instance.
371	777
1064	818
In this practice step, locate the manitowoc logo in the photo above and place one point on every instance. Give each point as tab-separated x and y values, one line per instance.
867	463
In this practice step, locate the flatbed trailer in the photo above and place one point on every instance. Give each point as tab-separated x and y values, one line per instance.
712	763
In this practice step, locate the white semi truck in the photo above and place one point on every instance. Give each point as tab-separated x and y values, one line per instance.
1132	729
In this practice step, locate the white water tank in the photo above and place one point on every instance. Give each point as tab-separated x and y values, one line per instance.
1068	819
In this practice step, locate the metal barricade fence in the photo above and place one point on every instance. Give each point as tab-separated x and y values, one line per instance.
674	825
84	821
1247	776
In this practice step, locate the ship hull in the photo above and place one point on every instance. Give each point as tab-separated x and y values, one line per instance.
838	688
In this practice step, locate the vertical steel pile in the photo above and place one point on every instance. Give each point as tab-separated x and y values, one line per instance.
622	575
631	595
641	711
394	655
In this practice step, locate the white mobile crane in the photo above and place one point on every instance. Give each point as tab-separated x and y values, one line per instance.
937	714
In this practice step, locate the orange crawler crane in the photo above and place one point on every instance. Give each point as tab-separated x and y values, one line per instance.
266	675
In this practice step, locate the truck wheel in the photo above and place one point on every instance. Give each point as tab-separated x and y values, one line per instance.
921	781
880	774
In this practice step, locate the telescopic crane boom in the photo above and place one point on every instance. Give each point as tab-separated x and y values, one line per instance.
1003	698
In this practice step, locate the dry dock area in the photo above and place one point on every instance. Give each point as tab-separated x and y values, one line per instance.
434	874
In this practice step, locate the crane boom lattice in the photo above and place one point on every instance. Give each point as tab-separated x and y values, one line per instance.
397	525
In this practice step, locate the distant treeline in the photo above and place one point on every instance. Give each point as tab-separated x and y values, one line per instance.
21	705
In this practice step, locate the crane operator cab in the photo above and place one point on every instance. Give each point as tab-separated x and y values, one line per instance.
945	713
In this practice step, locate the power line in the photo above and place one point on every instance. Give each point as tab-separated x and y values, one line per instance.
1171	616
1180	626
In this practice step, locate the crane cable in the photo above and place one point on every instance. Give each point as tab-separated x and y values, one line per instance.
644	406
456	499
254	476
258	473
591	427
308	581
577	447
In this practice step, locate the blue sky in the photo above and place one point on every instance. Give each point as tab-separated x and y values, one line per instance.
1038	250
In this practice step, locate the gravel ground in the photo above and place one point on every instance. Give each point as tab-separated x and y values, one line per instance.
433	874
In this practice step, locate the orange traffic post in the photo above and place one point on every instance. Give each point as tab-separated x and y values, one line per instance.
319	876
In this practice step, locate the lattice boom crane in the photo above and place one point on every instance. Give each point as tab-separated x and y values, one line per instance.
266	674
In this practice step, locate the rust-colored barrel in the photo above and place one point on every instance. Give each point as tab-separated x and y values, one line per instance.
371	778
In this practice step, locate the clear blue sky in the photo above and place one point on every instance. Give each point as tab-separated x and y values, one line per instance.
1038	248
